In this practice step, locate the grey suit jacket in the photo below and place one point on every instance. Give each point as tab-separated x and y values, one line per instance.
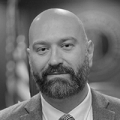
104	108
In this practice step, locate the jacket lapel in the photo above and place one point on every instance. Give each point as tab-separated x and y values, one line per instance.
33	109
100	107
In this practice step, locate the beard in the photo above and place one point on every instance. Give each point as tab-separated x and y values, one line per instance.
59	87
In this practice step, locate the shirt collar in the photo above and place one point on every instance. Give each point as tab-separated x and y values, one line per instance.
49	112
80	112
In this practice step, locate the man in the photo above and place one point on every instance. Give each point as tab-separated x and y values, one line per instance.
60	56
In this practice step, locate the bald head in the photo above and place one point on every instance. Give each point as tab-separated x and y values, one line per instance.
55	19
59	53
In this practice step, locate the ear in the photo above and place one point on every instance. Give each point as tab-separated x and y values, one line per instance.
28	51
90	52
28	54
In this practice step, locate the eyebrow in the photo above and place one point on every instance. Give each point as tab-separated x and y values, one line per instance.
39	42
68	38
45	42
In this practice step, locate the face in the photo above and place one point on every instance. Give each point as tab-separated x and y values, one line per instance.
58	58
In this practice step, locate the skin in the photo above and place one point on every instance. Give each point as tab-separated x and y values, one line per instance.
57	36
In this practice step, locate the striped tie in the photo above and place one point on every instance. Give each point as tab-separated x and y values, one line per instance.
66	117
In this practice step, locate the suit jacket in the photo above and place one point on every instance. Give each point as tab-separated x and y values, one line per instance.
104	108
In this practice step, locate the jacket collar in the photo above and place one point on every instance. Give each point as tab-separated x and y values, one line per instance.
33	109
100	107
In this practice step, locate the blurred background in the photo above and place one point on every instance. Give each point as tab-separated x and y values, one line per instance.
101	19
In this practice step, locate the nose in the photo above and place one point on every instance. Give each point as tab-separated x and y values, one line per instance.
55	57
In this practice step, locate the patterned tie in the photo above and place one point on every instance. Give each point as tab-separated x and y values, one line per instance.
66	117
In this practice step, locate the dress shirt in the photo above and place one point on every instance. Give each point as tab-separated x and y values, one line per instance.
82	112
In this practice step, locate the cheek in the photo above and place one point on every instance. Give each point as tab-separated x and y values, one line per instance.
37	63
75	59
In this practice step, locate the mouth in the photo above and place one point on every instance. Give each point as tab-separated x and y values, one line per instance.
57	73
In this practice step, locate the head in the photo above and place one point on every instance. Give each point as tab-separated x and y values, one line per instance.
60	54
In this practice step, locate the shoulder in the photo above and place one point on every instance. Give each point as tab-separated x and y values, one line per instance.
15	111
111	103
114	103
111	100
11	111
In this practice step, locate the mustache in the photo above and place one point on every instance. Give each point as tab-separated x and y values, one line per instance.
57	69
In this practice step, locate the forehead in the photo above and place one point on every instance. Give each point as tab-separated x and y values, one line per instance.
55	29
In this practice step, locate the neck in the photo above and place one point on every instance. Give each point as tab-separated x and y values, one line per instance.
66	105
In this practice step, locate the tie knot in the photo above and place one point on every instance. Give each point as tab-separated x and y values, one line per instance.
66	117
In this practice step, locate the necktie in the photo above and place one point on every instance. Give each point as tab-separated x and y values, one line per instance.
66	117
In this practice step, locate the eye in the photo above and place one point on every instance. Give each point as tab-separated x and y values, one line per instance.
67	46
42	50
